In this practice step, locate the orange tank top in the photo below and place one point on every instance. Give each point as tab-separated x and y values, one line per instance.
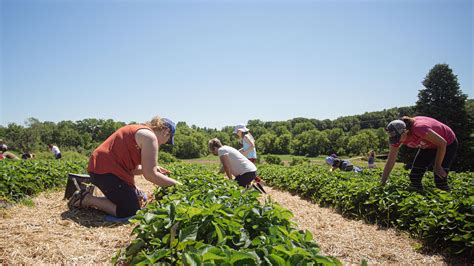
119	154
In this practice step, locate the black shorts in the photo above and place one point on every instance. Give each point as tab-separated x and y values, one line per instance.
245	179
58	156
120	193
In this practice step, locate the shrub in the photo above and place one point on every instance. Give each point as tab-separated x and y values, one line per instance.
165	157
273	159
299	160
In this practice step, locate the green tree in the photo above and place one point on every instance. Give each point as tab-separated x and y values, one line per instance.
302	127
282	144
265	143
362	142
443	100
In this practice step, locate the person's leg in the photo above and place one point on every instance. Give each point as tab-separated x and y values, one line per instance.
245	179
120	198
100	203
440	182
423	159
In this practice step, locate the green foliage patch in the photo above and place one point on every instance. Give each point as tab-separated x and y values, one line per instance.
441	219
209	220
22	178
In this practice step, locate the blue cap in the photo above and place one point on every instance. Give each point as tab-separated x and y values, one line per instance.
171	125
330	160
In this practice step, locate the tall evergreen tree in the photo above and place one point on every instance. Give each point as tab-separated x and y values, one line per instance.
443	100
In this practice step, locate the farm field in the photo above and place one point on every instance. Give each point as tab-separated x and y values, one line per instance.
45	231
287	158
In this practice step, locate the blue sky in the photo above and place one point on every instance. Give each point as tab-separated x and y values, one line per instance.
217	63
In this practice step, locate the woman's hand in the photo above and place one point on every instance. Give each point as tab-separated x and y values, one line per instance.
163	170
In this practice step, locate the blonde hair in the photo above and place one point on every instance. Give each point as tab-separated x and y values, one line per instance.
214	143
156	124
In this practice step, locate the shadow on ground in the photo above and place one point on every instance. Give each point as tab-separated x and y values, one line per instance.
89	218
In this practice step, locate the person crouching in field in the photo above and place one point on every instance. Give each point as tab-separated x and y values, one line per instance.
234	163
55	150
4	154
343	165
131	150
436	144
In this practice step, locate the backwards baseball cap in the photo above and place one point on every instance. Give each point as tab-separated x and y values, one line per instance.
395	130
240	127
171	125
330	160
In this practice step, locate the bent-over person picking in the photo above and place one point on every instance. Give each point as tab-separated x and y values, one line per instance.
235	164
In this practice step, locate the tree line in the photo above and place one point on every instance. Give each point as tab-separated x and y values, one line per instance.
346	136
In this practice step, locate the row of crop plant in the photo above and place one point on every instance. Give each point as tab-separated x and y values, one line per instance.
210	221
442	219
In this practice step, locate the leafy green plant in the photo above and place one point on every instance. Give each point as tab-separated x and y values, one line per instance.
209	220
299	160
441	219
22	178
273	159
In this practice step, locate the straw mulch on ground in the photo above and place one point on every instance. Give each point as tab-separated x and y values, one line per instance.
49	233
351	241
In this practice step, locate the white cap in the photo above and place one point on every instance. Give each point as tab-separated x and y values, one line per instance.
240	127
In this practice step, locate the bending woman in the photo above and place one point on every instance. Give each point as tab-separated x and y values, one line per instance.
234	163
436	144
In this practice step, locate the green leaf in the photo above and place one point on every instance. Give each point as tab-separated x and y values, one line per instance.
276	260
220	236
188	233
191	259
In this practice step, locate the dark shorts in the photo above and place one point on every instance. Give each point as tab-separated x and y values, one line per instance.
120	193
58	156
346	166
245	179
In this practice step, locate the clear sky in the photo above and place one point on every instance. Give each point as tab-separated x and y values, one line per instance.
217	63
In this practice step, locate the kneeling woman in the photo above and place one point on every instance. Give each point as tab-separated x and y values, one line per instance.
131	150
234	163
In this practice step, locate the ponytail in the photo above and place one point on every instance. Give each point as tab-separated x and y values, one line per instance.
409	121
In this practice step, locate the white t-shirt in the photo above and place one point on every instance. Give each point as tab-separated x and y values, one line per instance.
239	164
55	150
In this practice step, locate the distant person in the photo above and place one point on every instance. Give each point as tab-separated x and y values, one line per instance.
55	150
248	142
371	159
343	165
27	155
436	144
5	154
235	164
3	146
129	151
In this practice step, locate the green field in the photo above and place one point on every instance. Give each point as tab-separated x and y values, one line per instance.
286	158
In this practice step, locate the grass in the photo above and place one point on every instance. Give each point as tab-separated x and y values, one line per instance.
286	158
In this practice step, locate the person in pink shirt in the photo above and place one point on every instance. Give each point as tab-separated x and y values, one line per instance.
436	144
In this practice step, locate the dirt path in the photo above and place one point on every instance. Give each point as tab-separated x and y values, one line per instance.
49	233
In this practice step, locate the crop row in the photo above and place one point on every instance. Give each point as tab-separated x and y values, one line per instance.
442	219
19	179
209	220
